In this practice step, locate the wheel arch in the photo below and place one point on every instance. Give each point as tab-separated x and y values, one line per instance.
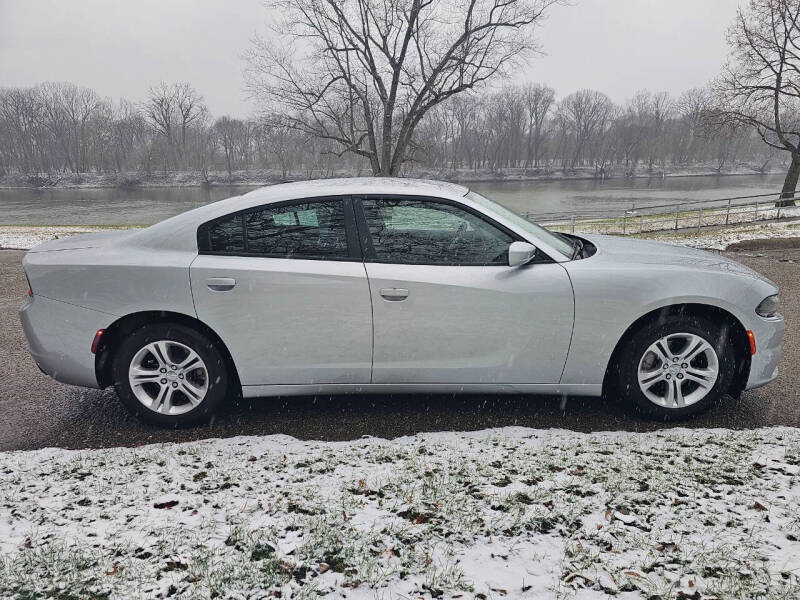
738	335
124	326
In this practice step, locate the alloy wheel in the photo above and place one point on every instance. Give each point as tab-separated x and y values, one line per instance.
678	370
168	377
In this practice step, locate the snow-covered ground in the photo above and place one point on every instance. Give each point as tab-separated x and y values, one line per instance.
665	221
500	513
25	237
719	239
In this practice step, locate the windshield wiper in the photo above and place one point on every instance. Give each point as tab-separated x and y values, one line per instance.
577	249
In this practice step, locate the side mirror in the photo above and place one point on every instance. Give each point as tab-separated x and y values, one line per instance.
520	253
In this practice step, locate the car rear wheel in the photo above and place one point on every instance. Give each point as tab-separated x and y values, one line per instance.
678	367
170	374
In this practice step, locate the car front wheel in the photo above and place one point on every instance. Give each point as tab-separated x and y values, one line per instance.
677	367
170	374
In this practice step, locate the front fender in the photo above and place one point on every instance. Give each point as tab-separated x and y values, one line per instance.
609	301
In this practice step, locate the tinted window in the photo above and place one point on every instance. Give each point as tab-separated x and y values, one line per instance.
225	235
308	230
426	232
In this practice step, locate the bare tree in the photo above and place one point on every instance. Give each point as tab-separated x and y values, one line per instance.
22	110
691	106
586	113
190	110
661	108
280	141
538	100
363	73
128	134
230	133
631	132
760	84
172	110
161	111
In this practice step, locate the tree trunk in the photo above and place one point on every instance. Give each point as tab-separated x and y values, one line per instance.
790	183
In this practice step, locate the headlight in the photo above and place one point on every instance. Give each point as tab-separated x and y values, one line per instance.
769	306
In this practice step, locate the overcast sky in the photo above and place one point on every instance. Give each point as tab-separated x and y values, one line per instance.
122	47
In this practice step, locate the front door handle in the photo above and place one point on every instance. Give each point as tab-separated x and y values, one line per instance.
220	284
394	294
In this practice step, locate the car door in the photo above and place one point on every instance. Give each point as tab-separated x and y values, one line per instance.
285	288
447	308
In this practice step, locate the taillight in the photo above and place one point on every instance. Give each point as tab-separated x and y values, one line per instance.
96	340
30	290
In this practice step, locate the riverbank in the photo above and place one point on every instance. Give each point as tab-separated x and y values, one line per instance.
25	237
255	178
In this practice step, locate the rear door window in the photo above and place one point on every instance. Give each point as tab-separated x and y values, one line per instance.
307	230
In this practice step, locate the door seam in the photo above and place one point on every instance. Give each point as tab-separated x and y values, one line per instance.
372	322
572	330
191	287
357	211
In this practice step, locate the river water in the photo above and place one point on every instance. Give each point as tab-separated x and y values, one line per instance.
144	206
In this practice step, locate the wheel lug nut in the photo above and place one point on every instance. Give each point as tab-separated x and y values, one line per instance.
666	366
163	381
669	376
174	385
680	375
675	359
163	370
180	376
684	366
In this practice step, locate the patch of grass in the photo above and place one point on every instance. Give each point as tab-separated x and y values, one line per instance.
611	513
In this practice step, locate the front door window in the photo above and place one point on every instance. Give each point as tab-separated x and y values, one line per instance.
425	232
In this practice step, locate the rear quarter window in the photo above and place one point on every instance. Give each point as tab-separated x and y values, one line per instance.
224	235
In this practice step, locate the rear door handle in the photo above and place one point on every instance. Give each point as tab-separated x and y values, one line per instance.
394	294
220	284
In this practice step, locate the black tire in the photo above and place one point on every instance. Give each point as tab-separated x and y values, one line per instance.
717	335
215	363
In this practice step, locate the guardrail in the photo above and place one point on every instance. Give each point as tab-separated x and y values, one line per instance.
664	217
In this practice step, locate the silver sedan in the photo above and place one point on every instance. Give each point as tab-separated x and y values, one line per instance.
391	285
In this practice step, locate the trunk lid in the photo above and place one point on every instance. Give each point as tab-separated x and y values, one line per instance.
81	241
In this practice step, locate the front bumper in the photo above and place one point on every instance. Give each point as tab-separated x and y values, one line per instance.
768	334
60	338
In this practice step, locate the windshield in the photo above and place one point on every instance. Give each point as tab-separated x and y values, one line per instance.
548	237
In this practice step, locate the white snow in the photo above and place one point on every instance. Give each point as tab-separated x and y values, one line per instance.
25	237
503	513
719	239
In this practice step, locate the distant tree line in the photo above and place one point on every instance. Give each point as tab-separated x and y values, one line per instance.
54	129
526	126
60	128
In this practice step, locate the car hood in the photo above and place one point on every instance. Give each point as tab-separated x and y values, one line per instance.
84	240
622	250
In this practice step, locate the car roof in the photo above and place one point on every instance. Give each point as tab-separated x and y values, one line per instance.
180	232
356	186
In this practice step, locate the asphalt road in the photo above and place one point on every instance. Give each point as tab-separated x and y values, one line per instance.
37	412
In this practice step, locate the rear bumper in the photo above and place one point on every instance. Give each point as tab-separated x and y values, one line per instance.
60	338
768	334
